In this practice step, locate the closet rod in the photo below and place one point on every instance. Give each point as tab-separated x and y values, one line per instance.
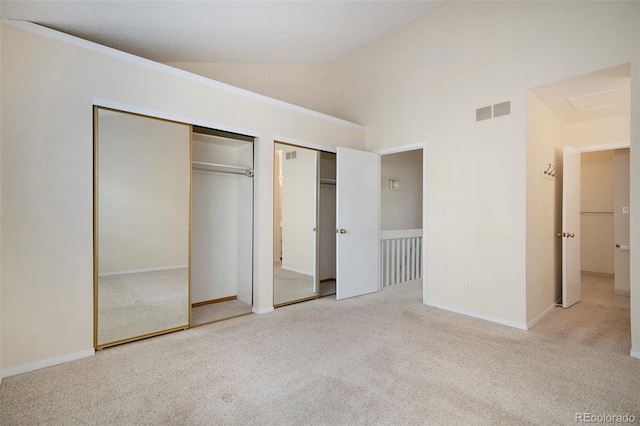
200	163
247	173
324	181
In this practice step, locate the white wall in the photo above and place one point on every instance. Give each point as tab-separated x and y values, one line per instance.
401	208
307	85
605	131
621	221
47	167
299	202
596	207
424	82
544	208
143	194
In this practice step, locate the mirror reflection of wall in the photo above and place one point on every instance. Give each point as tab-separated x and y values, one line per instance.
142	190
222	224
295	197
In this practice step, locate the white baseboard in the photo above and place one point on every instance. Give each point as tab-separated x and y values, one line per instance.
262	311
297	271
622	292
543	314
32	366
635	354
479	316
138	271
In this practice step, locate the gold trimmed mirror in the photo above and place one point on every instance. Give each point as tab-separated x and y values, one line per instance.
142	201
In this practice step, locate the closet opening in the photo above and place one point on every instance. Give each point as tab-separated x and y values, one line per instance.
222	225
304	224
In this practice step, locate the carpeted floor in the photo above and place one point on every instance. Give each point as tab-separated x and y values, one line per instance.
131	305
289	286
382	358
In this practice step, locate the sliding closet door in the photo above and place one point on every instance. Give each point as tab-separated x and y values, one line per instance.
141	222
296	200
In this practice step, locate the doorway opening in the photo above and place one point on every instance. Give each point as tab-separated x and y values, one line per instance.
401	214
567	120
604	225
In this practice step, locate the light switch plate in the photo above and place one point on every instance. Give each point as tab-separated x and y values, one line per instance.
625	210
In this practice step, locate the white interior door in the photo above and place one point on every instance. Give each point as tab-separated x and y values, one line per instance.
570	235
358	222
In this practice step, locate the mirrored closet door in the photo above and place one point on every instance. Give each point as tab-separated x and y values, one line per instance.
295	224
142	187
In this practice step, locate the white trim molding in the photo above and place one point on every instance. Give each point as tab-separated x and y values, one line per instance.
138	271
635	354
479	316
32	366
401	148
304	144
262	311
543	314
136	109
606	146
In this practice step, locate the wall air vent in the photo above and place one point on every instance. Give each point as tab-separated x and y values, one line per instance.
493	111
290	155
483	113
502	109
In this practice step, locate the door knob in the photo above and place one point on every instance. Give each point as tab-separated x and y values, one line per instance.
341	231
561	234
571	235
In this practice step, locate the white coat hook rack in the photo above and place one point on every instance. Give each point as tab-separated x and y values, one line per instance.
550	171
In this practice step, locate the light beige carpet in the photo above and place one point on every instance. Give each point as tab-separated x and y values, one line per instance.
380	359
290	286
131	305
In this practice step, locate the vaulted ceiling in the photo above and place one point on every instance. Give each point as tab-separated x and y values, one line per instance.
225	31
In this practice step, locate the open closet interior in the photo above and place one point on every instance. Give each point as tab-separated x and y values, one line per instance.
304	224
222	225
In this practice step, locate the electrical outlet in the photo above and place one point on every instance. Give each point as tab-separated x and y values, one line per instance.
467	286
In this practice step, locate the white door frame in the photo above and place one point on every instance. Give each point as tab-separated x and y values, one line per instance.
414	147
